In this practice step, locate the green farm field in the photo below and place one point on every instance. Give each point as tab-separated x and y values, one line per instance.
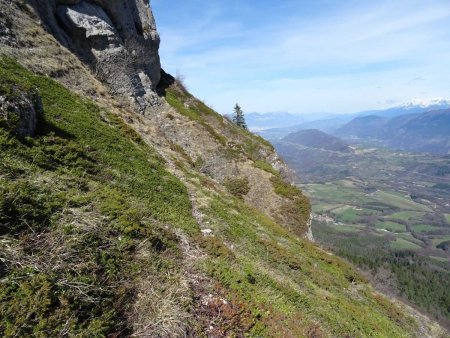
380	210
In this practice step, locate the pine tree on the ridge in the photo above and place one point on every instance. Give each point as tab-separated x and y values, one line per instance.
238	117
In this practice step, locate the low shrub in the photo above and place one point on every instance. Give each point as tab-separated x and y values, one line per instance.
26	208
263	165
238	187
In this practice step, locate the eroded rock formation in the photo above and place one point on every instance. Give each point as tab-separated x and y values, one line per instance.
116	38
19	111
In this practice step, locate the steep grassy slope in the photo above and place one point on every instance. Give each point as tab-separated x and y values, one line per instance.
172	224
295	288
98	238
239	160
78	204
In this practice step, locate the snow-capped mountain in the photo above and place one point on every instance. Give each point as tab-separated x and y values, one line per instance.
434	103
275	126
414	106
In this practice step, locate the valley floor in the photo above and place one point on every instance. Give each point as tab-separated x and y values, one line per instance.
386	211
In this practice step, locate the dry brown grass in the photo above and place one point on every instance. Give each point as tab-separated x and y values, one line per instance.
161	309
56	251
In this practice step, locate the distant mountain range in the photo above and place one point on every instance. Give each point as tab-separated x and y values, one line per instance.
418	132
415	106
316	156
275	126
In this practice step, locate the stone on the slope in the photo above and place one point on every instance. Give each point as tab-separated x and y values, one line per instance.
18	112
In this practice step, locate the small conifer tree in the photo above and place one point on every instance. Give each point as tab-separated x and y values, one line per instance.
238	117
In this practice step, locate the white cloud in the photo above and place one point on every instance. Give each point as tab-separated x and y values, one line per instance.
343	60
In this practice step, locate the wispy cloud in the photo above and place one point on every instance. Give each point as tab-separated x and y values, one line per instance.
321	56
414	81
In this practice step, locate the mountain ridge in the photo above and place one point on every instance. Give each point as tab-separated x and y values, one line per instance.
275	127
419	132
317	139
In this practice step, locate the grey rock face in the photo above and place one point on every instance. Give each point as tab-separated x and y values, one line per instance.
89	25
18	113
117	38
6	35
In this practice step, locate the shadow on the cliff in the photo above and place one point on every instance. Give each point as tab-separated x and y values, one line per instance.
166	81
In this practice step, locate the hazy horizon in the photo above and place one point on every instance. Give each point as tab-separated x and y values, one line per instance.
414	102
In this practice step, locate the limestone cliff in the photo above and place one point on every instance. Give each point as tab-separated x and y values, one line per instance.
117	39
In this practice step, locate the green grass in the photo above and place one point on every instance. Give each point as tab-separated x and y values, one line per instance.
440	259
406	215
391	226
447	217
137	169
263	165
422	228
346	228
213	122
341	192
296	212
285	189
350	214
173	98
440	239
335	193
290	283
321	208
355	202
346	214
409	237
401	202
402	244
368	212
83	160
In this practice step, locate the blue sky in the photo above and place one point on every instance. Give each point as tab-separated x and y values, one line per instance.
307	56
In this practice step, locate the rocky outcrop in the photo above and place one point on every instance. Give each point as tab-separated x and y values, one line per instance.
116	38
6	35
18	112
309	234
